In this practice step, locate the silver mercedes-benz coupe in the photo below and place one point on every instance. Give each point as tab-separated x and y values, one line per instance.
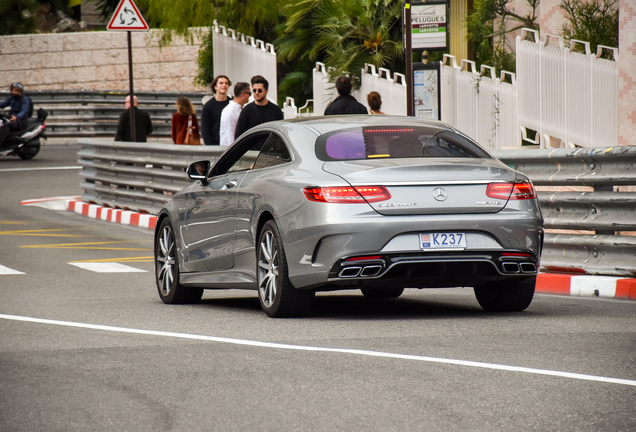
375	203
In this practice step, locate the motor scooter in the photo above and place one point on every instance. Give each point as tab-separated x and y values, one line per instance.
25	143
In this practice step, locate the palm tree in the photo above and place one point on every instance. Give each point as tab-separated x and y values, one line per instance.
345	35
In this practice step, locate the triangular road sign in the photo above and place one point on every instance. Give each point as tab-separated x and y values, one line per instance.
127	18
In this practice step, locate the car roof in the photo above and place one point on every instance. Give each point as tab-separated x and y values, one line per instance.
326	124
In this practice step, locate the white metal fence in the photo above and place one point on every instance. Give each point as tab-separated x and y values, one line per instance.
570	99
566	95
480	104
392	91
240	57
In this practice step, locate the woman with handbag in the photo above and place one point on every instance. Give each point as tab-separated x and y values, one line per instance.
185	127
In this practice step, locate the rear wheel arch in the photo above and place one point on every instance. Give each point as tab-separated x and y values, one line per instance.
262	220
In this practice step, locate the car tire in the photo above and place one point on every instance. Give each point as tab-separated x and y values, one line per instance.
383	293
277	295
506	296
167	270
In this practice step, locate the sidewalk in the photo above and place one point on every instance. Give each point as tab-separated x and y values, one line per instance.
547	283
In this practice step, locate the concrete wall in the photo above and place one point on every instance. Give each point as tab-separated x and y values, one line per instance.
96	61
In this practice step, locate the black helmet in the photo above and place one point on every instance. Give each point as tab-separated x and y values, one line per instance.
17	86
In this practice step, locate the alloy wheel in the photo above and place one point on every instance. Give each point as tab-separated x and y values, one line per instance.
268	269
165	260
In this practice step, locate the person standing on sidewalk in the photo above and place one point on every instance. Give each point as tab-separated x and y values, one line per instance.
143	124
345	103
211	115
259	111
184	118
231	113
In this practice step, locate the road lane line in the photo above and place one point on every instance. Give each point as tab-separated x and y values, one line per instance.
107	267
41	168
129	259
8	271
245	342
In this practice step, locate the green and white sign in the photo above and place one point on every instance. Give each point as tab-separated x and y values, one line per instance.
428	26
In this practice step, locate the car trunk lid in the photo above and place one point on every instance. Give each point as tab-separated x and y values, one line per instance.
431	186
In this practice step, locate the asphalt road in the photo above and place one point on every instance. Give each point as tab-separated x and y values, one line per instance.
82	350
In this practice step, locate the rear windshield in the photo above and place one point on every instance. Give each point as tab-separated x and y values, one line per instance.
396	142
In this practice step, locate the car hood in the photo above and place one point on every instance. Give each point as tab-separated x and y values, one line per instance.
428	186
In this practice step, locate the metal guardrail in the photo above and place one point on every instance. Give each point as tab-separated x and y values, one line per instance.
142	177
90	113
603	213
136	176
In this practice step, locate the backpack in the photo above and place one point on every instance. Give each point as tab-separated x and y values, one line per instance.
30	112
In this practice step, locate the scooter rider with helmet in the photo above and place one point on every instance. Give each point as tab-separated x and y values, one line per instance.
18	113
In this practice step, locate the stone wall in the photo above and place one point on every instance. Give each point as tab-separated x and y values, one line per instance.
97	61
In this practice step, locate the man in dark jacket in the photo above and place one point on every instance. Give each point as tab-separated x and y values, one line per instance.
345	103
18	113
143	125
260	111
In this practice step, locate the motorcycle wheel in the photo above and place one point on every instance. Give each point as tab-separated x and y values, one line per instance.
29	150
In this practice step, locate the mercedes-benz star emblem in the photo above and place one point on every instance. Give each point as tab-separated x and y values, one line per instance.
440	194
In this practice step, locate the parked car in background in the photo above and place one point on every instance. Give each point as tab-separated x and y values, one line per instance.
375	203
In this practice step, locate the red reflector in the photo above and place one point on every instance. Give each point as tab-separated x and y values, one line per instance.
513	191
347	194
516	254
362	258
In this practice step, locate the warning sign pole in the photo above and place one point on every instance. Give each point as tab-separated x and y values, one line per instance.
133	129
128	18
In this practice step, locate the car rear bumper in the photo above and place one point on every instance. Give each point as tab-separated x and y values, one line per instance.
317	252
421	270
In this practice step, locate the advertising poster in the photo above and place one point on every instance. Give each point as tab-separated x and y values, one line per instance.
426	92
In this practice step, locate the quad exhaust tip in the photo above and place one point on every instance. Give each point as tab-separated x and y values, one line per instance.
355	271
350	272
513	267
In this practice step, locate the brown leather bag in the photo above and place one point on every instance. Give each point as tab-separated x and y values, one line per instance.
190	138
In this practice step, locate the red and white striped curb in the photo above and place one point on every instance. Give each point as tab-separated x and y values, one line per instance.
124	217
590	286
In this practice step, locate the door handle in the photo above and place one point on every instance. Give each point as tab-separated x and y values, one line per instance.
230	184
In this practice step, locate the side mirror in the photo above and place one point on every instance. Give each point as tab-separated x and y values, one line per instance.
199	170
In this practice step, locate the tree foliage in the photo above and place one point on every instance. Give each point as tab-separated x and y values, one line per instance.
345	35
257	18
21	16
591	21
488	26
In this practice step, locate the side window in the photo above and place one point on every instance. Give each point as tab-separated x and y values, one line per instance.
274	152
243	155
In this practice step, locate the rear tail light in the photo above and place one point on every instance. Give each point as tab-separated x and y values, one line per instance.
347	194
512	191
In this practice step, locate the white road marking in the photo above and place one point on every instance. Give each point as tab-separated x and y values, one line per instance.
7	271
52	203
494	366
41	168
107	267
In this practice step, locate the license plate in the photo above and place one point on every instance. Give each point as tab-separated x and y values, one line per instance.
433	241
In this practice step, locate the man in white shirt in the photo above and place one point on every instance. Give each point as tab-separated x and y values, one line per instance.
230	114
